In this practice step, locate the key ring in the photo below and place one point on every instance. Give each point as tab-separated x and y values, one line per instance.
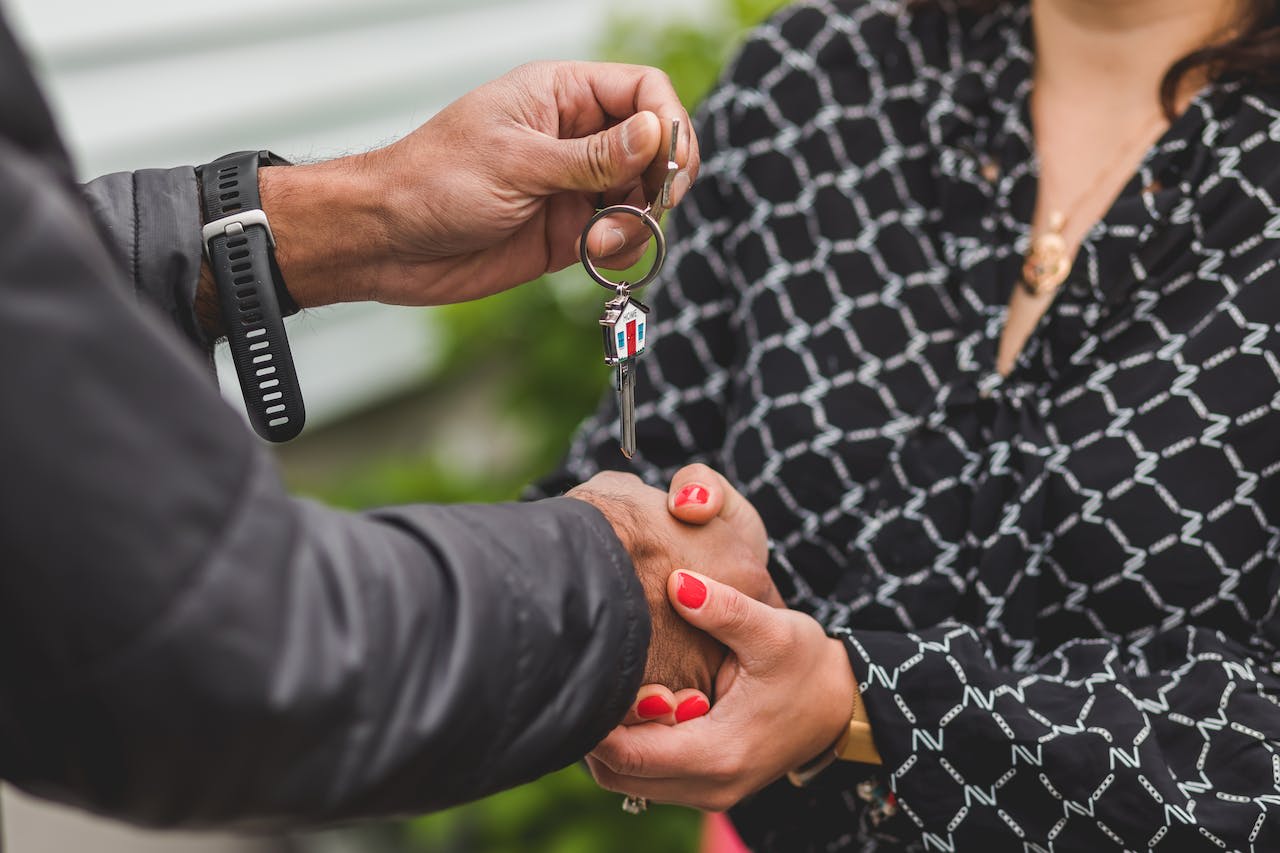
645	216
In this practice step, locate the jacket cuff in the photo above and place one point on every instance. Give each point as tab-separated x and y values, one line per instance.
152	220
602	552
555	583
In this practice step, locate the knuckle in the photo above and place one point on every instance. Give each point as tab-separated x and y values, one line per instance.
734	613
604	777
625	761
782	635
697	471
774	645
788	630
606	753
535	68
598	160
525	73
658	77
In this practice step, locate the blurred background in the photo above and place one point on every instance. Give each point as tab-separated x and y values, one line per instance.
404	405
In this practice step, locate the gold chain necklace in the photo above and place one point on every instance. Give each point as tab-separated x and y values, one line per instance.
1049	259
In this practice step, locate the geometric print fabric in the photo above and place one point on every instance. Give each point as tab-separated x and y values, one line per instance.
1059	588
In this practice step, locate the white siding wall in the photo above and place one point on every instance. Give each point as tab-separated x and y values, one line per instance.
139	83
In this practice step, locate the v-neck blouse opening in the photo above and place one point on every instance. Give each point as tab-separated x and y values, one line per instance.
992	125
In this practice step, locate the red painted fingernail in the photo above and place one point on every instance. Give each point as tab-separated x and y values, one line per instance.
693	494
691	709
654	706
691	591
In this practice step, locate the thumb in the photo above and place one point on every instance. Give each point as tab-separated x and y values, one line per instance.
699	493
615	157
754	631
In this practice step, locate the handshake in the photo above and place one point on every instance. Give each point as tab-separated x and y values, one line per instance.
741	689
702	524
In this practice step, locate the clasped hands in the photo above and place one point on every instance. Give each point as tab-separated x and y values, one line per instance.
739	689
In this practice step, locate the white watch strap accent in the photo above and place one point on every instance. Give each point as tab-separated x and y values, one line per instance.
230	226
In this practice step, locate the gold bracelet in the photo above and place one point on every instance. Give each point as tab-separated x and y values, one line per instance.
854	744
802	776
857	745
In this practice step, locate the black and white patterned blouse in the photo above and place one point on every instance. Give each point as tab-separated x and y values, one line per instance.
1060	588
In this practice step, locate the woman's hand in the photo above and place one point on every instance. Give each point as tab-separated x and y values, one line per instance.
785	693
490	193
698	495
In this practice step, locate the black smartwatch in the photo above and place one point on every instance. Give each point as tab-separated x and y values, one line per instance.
241	250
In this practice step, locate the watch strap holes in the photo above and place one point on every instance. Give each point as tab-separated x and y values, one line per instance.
239	250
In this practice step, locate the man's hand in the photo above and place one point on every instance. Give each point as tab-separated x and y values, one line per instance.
680	656
490	193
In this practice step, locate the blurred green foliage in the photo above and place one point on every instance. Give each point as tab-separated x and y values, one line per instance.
692	53
556	381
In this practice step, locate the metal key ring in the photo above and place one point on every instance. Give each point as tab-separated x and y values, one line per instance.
650	222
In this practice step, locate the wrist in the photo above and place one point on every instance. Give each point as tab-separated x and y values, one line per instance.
624	517
615	509
208	311
326	218
834	710
845	700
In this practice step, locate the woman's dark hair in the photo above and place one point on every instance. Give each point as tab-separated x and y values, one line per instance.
1252	53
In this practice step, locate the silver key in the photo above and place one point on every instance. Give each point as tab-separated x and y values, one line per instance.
625	327
627	406
624	320
666	199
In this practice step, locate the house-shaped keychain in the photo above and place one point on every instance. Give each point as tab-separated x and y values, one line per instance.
624	329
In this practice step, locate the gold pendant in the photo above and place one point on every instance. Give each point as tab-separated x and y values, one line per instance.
1048	262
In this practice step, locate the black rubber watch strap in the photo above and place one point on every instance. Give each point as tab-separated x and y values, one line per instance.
249	284
235	188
